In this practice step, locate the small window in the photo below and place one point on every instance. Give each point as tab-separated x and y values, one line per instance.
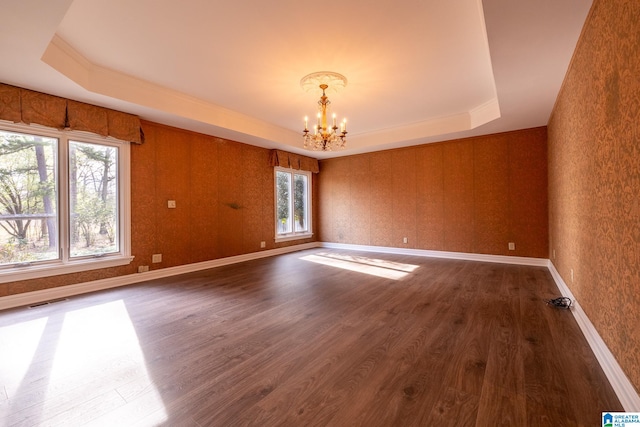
293	204
64	202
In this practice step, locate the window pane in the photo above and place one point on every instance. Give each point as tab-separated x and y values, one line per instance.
28	198
300	202
93	199
283	184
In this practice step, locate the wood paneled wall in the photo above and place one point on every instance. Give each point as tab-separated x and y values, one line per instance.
224	195
594	178
471	195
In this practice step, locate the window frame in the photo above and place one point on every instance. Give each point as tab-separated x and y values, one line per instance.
293	235
65	264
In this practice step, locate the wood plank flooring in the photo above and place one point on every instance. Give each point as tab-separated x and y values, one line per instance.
313	338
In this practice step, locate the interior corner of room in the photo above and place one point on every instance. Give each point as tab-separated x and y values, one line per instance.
536	164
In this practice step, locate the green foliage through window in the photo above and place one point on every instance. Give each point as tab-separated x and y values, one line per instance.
28	202
92	198
292	202
30	222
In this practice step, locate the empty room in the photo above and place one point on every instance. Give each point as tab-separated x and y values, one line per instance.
351	213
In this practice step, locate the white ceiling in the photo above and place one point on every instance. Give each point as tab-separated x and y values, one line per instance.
418	70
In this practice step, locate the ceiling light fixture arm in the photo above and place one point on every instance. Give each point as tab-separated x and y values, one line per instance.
325	137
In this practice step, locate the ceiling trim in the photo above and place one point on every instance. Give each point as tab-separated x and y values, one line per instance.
94	78
485	113
467	120
68	61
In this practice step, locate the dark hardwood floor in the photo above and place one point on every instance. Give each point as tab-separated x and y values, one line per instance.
312	338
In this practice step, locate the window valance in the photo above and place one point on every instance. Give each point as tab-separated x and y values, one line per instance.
295	161
27	106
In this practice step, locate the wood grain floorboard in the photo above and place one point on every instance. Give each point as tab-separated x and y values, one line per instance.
285	341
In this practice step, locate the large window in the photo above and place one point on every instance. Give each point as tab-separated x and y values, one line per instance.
293	204
64	202
93	199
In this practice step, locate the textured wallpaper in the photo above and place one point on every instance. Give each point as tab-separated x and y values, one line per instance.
594	177
471	195
224	195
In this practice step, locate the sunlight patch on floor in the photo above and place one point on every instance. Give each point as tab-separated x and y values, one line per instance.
372	266
101	341
91	357
18	343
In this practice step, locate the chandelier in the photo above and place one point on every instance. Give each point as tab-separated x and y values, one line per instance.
324	137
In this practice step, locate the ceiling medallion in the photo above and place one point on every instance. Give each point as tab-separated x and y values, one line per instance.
324	137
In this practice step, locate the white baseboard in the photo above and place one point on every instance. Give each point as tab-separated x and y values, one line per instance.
623	388
502	259
620	383
28	298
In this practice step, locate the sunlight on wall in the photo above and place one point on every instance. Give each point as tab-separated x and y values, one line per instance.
372	266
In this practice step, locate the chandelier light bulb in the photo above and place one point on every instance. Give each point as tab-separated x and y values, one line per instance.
324	137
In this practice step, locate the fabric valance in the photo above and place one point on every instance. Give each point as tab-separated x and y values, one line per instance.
295	161
27	106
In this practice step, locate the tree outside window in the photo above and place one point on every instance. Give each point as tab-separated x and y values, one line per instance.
292	203
33	228
28	201
93	198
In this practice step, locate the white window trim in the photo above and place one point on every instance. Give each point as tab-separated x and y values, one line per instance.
65	265
301	234
290	236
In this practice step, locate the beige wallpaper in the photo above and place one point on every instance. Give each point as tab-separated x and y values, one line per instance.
471	195
594	177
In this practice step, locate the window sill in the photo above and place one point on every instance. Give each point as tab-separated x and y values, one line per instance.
288	238
45	270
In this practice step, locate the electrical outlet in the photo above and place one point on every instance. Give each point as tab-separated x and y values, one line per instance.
405	240
156	258
263	244
143	268
572	275
171	204
553	253
512	246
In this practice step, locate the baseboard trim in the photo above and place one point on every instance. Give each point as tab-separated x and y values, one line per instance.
623	388
502	259
28	298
